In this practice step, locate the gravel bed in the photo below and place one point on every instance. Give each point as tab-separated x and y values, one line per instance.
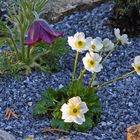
120	100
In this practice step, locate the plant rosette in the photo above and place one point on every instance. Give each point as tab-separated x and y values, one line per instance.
77	117
77	105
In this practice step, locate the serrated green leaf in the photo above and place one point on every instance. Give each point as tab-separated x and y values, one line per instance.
40	108
76	88
85	126
58	123
96	108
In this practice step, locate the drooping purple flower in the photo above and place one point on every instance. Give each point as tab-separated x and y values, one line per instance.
40	30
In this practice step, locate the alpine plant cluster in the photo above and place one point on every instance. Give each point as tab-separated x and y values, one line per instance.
75	109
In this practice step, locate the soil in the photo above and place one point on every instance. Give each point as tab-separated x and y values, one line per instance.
129	24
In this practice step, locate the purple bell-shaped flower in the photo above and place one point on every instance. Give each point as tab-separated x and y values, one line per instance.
40	30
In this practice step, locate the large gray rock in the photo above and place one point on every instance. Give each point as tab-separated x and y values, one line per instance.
6	136
58	9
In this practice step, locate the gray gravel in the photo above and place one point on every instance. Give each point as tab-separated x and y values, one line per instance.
120	100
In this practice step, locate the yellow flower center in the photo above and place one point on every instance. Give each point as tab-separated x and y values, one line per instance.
74	110
80	44
91	63
137	68
93	46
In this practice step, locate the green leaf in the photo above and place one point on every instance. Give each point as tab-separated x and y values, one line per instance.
96	108
59	123
3	41
48	55
49	102
40	108
85	126
76	88
4	31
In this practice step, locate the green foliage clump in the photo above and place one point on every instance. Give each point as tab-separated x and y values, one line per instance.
45	58
52	100
17	57
126	6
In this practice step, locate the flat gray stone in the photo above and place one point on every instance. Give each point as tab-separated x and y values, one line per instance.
57	9
6	136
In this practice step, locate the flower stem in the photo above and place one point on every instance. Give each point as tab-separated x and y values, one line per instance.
115	79
22	44
92	79
81	74
75	65
21	37
109	53
28	54
15	47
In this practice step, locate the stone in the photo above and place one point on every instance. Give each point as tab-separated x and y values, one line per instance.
30	103
6	136
58	9
133	132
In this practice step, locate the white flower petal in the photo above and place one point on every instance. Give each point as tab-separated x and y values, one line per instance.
79	36
64	110
96	57
69	119
89	58
99	39
97	68
83	107
88	55
124	39
133	65
68	113
84	60
82	117
79	120
78	42
108	44
121	38
138	73
71	41
88	42
75	100
137	60
106	41
64	107
117	33
98	44
65	115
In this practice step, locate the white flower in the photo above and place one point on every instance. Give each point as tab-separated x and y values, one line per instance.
95	45
108	44
123	39
74	111
78	42
136	64
91	62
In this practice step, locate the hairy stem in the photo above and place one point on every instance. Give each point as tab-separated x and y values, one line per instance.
81	74
92	79
28	53
75	65
22	44
115	79
109	53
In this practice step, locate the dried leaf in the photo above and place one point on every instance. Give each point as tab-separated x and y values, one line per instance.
53	130
30	137
9	114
